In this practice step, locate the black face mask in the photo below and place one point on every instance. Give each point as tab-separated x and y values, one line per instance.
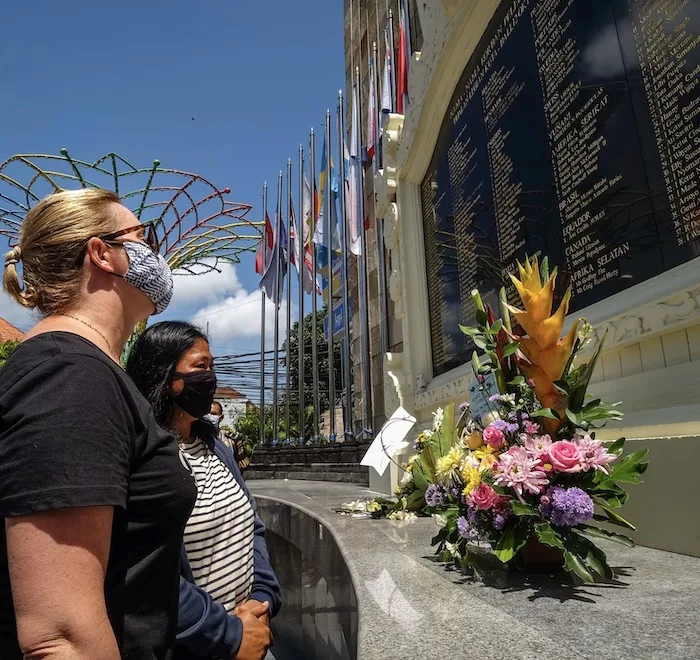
198	394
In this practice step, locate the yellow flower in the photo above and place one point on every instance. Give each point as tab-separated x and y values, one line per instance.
448	465
471	478
487	463
374	506
547	354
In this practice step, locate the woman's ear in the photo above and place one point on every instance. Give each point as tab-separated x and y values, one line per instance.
177	385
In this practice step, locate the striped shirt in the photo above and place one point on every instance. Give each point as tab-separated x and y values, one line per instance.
219	534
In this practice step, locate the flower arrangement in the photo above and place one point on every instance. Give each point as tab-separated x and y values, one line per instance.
529	473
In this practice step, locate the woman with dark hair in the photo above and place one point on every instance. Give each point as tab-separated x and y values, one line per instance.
228	590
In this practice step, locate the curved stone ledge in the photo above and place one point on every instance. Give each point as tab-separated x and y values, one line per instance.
407	606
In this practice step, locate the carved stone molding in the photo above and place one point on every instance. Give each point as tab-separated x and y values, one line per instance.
449	7
679	309
437	396
397	390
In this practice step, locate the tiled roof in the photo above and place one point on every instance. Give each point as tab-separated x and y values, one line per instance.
8	331
229	393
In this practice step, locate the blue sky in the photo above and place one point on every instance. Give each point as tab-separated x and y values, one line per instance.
129	77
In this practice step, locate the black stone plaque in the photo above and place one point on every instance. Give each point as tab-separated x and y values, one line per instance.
574	133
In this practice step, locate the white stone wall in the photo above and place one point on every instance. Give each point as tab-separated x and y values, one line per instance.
233	409
652	357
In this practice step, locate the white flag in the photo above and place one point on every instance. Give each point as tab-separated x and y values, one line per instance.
354	202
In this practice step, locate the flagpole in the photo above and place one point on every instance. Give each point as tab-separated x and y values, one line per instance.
381	261
288	352
278	287
392	48
347	359
330	249
364	314
302	266
314	299
262	323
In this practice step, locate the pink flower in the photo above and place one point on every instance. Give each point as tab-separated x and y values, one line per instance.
520	472
594	455
483	497
531	428
494	437
565	456
538	446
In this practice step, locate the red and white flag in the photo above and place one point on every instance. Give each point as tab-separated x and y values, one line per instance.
306	269
404	59
262	256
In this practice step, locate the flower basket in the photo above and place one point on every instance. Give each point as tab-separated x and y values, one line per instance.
525	474
536	557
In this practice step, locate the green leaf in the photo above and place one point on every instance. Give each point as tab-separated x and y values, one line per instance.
592	557
544	412
419	478
481	317
510	349
496	327
480	343
616	447
578	395
476	364
613	517
546	534
544	270
521	509
415	501
447	429
518	381
573	418
485	369
626	470
512	540
562	386
592	530
573	564
468	330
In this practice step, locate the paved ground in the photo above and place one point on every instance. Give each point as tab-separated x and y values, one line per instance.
411	607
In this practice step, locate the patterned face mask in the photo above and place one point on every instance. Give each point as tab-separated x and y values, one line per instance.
149	273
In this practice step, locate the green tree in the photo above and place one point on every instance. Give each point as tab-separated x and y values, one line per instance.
6	347
323	370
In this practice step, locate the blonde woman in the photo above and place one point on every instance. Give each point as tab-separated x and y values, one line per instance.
94	496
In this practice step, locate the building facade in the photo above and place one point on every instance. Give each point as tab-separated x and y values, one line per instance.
233	403
563	129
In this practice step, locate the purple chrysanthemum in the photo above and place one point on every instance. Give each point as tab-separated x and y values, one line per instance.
499	424
566	507
435	496
494	397
463	406
513	417
465	528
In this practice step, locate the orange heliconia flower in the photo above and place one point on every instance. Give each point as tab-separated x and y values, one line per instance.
547	354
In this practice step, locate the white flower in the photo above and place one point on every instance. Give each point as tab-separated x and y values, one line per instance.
438	416
406	480
402	516
452	549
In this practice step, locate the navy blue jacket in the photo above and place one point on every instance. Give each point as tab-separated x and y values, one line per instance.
205	628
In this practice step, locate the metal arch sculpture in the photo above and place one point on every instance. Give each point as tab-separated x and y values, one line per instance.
196	226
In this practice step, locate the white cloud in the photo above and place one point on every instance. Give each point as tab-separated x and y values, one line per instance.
207	288
236	320
14	313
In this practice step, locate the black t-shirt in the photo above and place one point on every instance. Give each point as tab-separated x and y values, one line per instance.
75	431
